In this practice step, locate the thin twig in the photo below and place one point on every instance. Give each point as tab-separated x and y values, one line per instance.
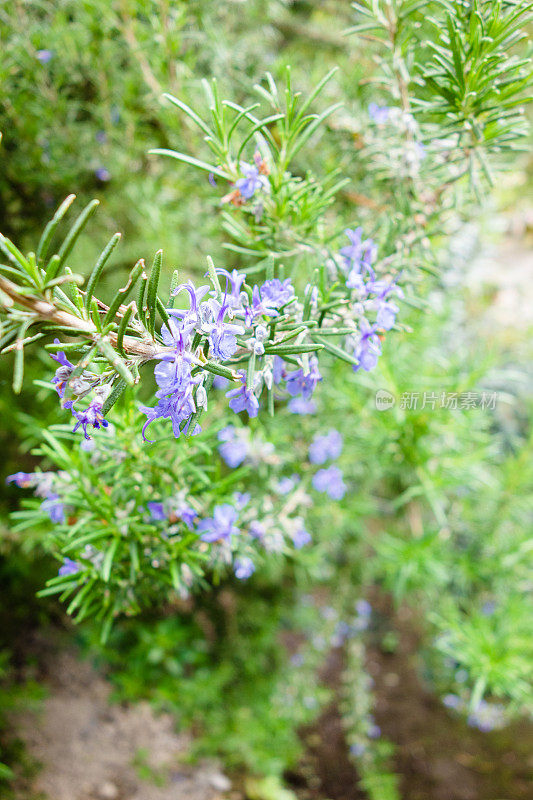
47	312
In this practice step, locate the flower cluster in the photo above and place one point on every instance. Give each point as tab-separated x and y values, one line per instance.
49	486
227	531
254	181
235	530
330	481
222	329
485	716
262	337
371	303
237	446
323	448
80	388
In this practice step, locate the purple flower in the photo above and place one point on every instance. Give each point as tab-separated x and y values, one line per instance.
363	608
157	512
302	383
40	482
189	317
379	114
60	357
234	448
257	529
54	508
102	174
386	308
178	409
300	537
386	316
69	567
241	499
488	608
44	56
24	480
178	509
243	398
187	514
352	253
362	620
92	415
100	137
223	343
300	406
235	279
374	731
173	376
452	701
286	484
325	447
244	567
359	254
222	335
368	348
356	281
279	370
275	293
343	631
487	716
173	373
63	372
221	526
252	182
330	481
220	382
257	308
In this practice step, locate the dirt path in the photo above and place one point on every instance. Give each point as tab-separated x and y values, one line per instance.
91	749
436	754
504	270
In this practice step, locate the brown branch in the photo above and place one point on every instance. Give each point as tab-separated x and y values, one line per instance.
47	312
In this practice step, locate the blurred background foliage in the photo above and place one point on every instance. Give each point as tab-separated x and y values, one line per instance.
439	511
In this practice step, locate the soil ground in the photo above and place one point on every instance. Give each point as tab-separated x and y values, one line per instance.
436	754
91	749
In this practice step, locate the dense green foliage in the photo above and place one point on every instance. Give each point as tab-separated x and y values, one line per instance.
438	508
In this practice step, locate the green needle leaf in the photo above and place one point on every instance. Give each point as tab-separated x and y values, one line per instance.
195	162
190	113
151	294
108	560
77	228
336	351
293	349
174	283
219	369
46	238
98	267
122	328
123	294
117	392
